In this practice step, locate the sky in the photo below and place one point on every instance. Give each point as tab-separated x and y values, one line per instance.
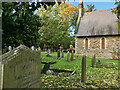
98	5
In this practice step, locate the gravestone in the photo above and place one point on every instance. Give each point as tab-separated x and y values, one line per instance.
72	56
68	56
48	55
33	48
93	60
20	68
62	54
39	50
83	75
10	48
58	53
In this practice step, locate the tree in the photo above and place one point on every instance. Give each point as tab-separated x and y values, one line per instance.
90	8
20	25
117	12
16	18
56	23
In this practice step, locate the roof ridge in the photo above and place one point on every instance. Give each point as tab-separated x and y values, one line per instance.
99	10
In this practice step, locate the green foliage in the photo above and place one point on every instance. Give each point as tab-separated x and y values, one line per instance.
55	25
117	12
19	24
89	8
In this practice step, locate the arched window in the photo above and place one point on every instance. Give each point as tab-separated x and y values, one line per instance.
103	43
86	43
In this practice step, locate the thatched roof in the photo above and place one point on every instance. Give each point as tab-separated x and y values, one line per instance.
97	23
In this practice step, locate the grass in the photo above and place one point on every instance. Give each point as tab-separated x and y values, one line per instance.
96	77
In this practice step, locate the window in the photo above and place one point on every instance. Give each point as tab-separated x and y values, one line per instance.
86	43
103	43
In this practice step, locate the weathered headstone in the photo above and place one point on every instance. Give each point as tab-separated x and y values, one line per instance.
68	56
62	54
58	53
83	75
93	60
39	50
20	68
72	56
33	48
10	48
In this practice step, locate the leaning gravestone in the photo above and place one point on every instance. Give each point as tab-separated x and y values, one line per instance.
20	68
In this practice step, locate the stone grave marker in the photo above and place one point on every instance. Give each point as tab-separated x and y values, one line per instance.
93	60
20	68
72	56
58	53
68	56
39	50
33	48
83	74
10	48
